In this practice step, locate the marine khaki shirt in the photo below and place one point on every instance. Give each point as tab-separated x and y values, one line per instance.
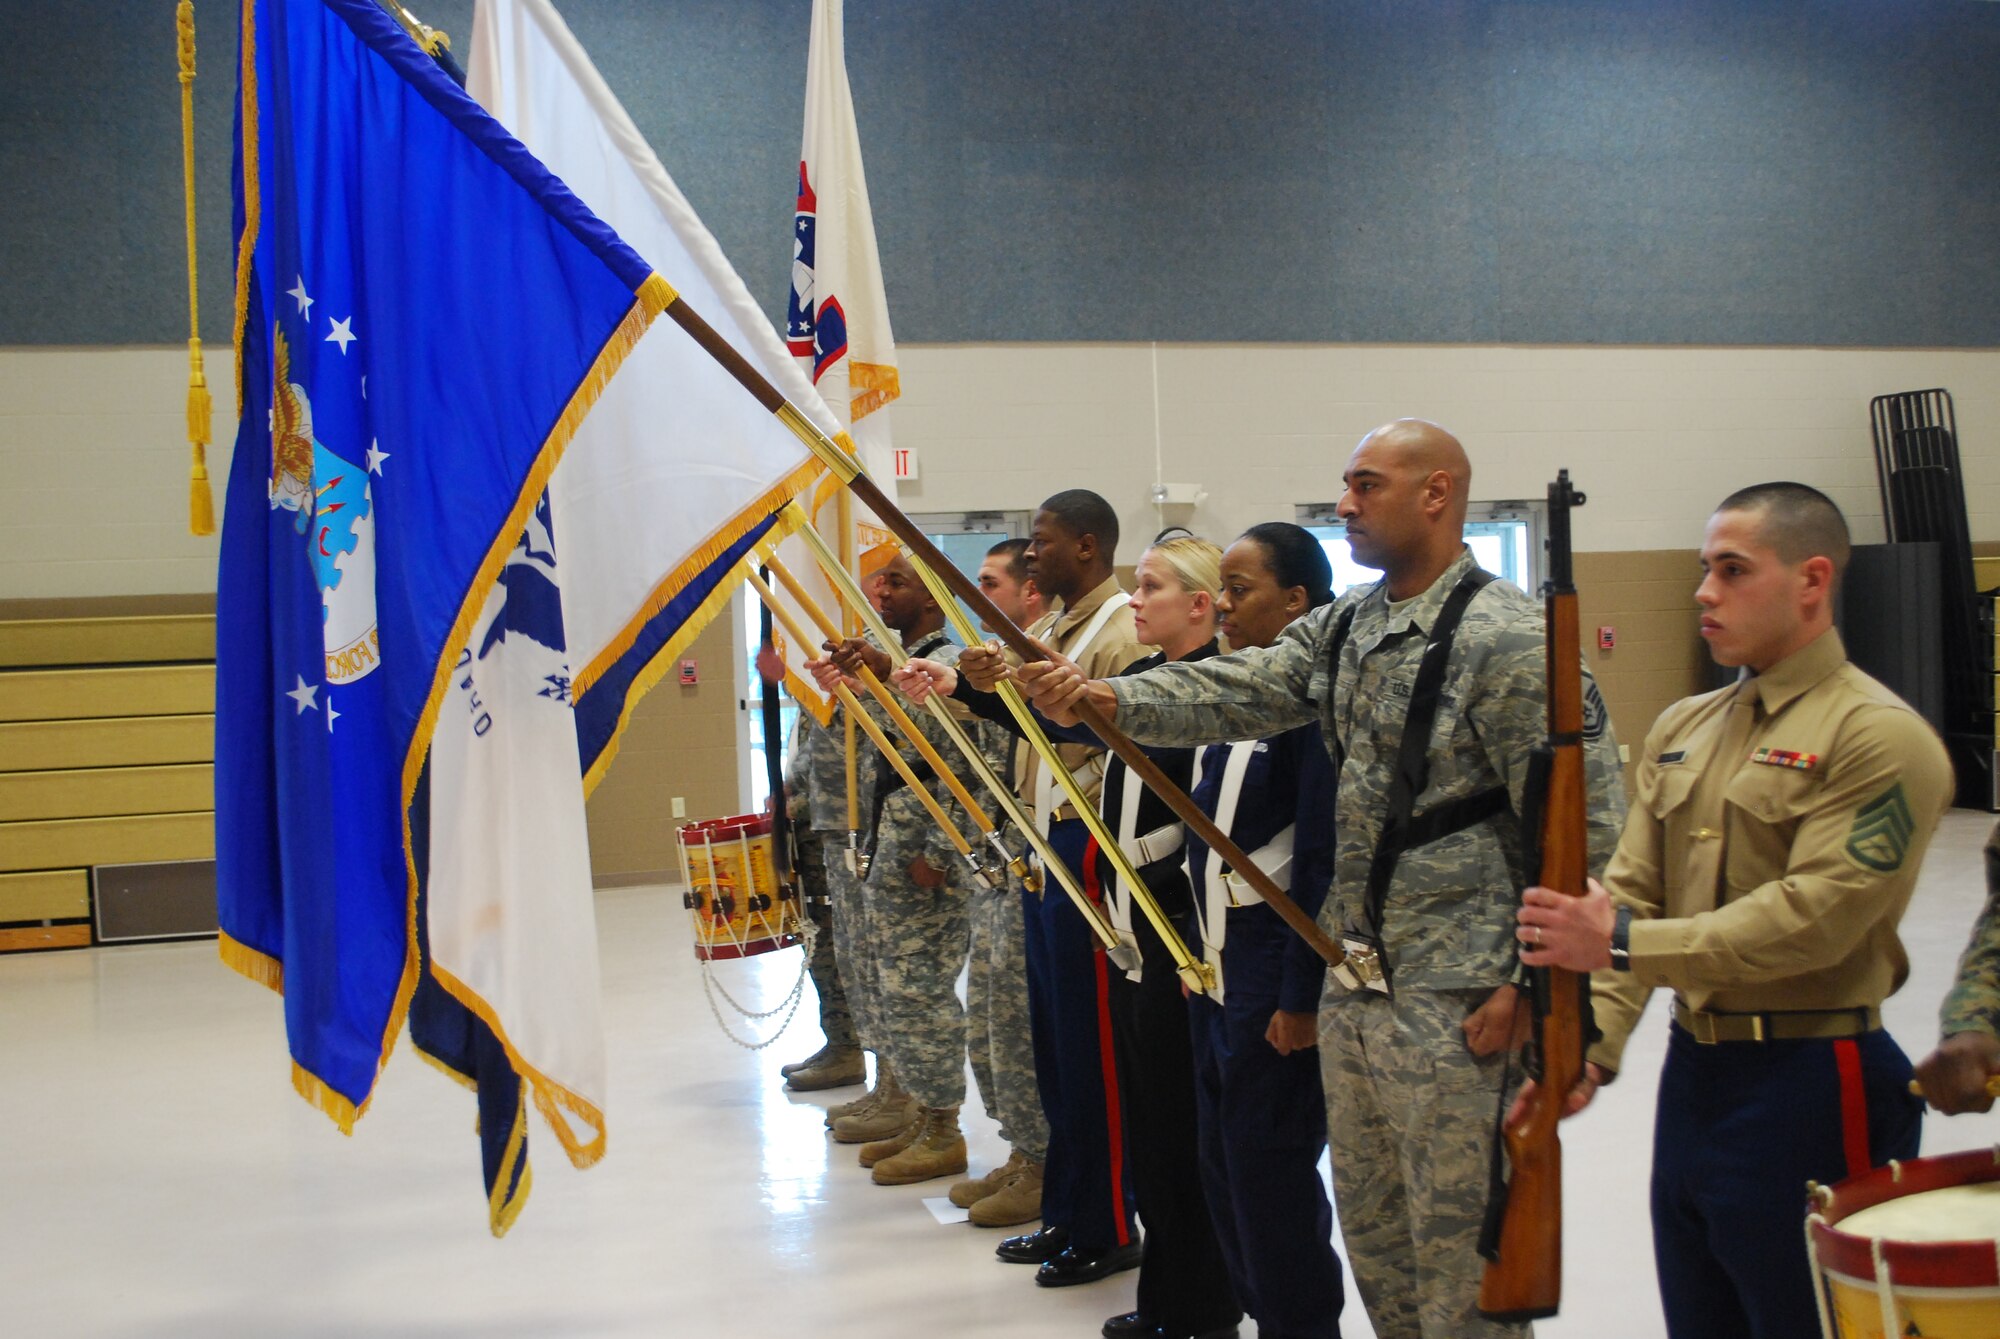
1115	646
1773	845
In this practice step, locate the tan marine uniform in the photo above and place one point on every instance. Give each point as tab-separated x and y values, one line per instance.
1773	846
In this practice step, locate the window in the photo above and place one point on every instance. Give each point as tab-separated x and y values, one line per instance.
963	536
1505	538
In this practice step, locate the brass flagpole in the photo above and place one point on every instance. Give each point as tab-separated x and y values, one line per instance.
1120	952
890	705
861	718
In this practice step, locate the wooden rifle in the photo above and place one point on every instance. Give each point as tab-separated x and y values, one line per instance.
1522	1242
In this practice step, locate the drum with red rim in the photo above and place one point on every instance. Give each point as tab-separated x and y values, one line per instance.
1912	1248
738	905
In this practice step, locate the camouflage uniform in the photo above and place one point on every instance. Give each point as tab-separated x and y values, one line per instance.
1410	1111
918	935
815	890
998	1039
821	760
1974	1002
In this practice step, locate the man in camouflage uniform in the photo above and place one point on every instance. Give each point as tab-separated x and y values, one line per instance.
1412	1077
914	895
1954	1075
816	803
998	1038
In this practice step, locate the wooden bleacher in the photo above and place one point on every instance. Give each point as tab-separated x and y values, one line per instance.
106	748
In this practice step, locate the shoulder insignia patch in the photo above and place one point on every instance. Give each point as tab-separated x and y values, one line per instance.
1595	715
1802	762
1880	837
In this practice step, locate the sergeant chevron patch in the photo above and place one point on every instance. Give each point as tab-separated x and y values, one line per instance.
1880	837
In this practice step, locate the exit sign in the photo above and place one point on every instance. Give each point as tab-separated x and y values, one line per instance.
906	461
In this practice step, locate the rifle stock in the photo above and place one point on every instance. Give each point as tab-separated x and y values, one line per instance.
1523	1278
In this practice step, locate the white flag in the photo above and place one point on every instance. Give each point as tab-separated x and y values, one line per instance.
837	321
676	472
663	490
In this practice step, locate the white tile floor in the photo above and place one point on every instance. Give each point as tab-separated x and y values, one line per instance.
158	1176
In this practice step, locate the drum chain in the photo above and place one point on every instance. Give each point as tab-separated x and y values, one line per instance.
789	1005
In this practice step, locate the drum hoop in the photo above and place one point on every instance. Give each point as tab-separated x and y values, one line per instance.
1961	1264
1975	1293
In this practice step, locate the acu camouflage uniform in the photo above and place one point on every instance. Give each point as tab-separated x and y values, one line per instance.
918	935
810	843
1410	1110
1974	1002
821	760
998	1039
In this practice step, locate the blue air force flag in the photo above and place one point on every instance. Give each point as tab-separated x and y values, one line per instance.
424	316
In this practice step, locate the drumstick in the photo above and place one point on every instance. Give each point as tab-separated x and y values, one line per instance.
1992	1087
862	719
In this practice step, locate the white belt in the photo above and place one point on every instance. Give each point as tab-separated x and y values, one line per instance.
1156	845
1222	890
1045	780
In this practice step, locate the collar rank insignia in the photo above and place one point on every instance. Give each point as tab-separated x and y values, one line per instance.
1798	762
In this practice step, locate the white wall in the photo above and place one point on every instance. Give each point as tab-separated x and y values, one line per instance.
96	463
1655	436
94	454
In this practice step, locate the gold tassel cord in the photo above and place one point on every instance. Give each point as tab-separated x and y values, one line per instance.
200	409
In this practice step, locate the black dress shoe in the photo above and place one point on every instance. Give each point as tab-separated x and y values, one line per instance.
1133	1325
1073	1266
1032	1248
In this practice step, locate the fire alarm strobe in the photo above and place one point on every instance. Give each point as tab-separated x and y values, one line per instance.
688	676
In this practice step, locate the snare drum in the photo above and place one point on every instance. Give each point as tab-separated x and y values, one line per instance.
1910	1249
737	903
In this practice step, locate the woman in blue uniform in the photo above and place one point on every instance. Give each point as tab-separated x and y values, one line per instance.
1261	1111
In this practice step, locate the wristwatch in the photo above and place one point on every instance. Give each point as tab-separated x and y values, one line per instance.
1621	941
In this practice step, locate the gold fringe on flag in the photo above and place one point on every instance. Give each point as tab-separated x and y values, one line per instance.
201	499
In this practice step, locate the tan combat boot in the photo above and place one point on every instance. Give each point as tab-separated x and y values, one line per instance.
889	1117
885	1083
832	1068
895	1141
1018	1200
965	1194
938	1150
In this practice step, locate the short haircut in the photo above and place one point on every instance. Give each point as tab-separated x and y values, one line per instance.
1295	559
1082	512
1196	563
1796	521
1015	551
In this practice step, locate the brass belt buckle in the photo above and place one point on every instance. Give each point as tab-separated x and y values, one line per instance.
1362	968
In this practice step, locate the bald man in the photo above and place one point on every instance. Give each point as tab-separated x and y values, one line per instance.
1415	1062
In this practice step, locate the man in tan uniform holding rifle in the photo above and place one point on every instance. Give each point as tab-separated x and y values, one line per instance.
1771	851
